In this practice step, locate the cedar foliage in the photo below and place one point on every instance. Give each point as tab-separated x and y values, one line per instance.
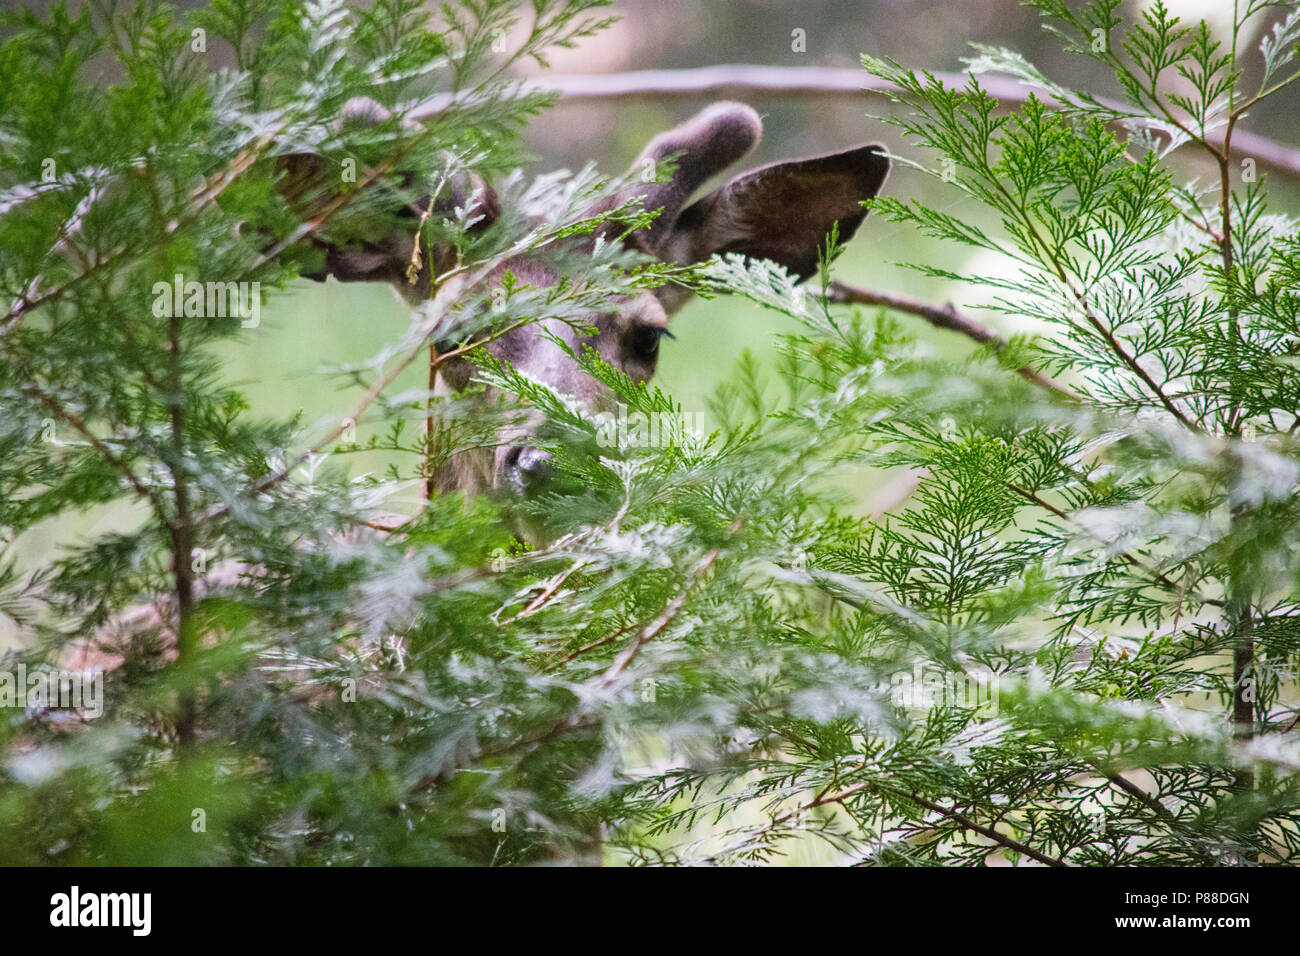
706	653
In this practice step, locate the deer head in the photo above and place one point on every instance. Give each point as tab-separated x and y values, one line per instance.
782	211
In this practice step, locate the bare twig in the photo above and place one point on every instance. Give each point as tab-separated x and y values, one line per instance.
1159	578
991	832
655	627
941	317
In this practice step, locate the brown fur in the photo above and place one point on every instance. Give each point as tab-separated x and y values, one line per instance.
781	211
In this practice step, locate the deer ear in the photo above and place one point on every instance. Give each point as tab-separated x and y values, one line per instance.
782	211
383	251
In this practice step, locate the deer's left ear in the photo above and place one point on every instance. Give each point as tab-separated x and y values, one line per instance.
314	189
782	211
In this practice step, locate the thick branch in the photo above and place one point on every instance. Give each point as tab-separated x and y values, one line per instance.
182	540
756	82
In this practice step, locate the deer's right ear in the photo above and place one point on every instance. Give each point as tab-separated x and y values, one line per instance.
782	211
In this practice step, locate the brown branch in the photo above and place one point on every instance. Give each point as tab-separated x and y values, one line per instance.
961	819
590	646
946	317
655	627
1132	561
105	453
577	720
200	199
1137	793
548	591
949	318
181	532
441	306
820	84
991	832
1050	254
1107	335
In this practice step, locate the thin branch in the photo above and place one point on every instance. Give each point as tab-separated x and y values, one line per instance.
946	317
655	627
200	199
1050	255
578	720
105	453
956	816
1134	562
991	832
1137	793
590	646
450	291
548	591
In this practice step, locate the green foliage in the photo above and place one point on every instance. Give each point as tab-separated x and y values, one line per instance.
1074	643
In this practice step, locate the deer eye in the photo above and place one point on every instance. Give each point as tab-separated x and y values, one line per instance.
644	342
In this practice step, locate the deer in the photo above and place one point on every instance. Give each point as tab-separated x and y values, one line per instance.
782	211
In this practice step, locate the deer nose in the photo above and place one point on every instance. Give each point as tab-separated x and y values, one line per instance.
527	466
